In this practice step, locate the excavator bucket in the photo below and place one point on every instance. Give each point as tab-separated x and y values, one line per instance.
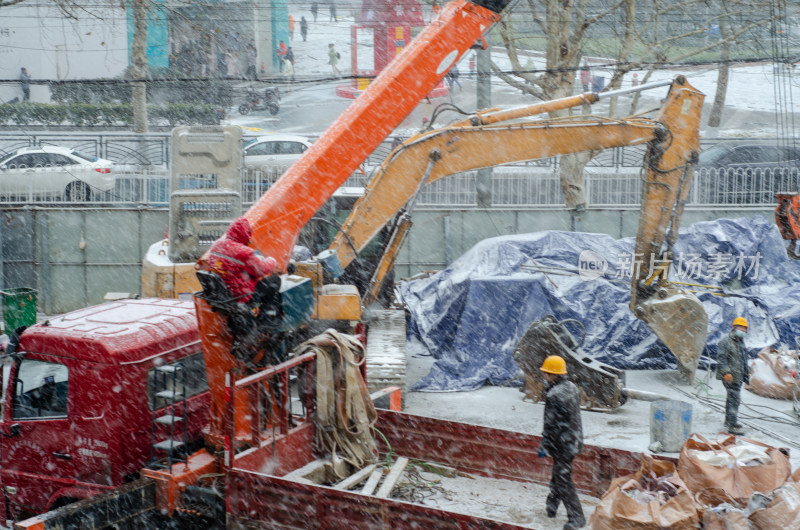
600	385
678	318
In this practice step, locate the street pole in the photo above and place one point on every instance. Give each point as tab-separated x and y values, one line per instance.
483	186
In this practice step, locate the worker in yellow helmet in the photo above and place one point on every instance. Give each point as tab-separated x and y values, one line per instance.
732	370
562	439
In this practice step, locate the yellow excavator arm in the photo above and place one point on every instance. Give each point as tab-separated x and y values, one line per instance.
495	137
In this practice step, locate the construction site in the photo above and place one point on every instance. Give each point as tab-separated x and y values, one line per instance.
304	347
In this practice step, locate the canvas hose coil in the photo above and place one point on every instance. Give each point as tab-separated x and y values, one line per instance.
345	412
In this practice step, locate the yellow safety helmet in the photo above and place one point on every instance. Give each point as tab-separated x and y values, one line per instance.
554	365
740	321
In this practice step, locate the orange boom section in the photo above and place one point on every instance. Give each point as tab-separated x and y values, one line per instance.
288	205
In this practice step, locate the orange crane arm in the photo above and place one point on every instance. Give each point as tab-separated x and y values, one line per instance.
288	205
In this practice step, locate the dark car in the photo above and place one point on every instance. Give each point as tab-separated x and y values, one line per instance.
746	173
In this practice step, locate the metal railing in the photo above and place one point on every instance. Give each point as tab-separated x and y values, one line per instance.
520	186
612	177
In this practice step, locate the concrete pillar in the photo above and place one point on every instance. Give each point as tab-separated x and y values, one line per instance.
262	32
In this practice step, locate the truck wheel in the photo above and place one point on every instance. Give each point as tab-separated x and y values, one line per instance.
77	192
244	109
273	108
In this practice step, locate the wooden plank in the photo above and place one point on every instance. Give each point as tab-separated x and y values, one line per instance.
372	482
355	478
391	479
313	472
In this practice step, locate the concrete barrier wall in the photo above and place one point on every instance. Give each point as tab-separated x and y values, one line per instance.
74	256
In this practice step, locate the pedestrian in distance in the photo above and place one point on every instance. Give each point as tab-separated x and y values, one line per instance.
281	53
289	63
303	28
452	78
635	81
562	439
251	62
333	11
288	69
586	76
333	58
314	10
25	84
732	370
291	27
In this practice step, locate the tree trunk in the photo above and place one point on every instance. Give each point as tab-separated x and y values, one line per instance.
571	175
724	71
139	66
624	55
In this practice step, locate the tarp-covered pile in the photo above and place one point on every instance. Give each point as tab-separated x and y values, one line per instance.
472	314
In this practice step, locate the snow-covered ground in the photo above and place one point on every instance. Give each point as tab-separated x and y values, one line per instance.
626	428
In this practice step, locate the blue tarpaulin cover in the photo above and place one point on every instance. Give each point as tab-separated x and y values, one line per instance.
471	315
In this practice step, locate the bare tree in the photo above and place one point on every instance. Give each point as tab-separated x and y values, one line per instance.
564	25
724	67
648	35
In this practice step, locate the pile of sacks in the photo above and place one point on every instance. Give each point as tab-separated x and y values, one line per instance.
732	483
773	373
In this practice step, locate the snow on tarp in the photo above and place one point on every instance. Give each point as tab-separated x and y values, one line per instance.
472	314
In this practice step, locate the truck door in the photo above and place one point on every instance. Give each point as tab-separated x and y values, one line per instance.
38	460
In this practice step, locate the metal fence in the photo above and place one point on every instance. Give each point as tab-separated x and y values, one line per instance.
512	187
612	178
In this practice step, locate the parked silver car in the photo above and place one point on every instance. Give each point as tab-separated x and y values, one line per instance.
275	151
54	172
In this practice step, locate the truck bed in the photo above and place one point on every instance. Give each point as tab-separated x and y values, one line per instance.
260	495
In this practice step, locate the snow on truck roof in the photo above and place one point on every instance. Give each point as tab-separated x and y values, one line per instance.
123	331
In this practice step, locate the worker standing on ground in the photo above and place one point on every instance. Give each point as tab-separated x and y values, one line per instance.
732	370
562	439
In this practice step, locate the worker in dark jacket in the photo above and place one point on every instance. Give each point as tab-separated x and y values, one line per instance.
562	439
239	266
732	370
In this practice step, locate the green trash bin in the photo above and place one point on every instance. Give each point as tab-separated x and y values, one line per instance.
19	307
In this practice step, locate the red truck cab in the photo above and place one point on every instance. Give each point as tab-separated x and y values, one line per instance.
77	414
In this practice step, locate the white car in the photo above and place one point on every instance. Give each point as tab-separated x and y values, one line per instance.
50	171
275	151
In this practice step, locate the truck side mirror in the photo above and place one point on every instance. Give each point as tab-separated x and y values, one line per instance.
14	430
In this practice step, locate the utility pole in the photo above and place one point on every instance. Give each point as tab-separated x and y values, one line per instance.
139	66
483	186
